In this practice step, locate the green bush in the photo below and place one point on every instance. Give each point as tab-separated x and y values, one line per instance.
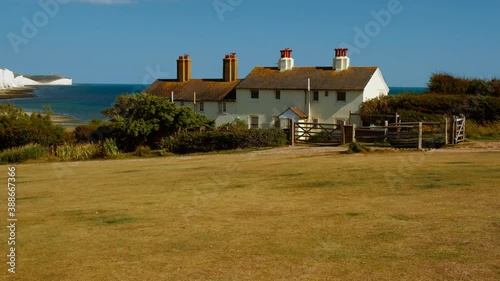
433	107
18	128
142	150
225	140
79	151
143	119
110	148
20	154
355	147
447	84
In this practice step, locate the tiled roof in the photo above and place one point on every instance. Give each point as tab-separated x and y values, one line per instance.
299	114
206	89
322	78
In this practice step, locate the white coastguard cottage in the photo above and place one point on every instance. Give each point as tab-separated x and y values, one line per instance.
317	94
270	96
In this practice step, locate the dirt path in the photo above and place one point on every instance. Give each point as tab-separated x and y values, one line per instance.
470	146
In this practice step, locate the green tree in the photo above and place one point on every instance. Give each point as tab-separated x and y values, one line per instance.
143	119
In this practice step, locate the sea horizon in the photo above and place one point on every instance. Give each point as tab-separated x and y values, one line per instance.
85	101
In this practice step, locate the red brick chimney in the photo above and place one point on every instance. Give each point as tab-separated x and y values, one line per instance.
341	61
230	68
286	61
184	68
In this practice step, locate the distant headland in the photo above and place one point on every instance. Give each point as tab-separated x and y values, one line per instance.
10	79
15	85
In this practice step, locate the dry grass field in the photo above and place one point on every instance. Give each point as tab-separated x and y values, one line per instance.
260	216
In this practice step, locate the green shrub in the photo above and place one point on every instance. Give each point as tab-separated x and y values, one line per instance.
20	154
447	84
225	140
87	151
142	150
79	151
110	148
433	107
18	128
143	119
355	147
82	133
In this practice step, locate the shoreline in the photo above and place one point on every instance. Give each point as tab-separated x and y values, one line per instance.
17	93
67	121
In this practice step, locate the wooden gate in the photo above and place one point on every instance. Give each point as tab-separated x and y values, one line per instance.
321	133
458	129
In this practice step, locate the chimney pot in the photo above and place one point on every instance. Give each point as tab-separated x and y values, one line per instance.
184	68
230	68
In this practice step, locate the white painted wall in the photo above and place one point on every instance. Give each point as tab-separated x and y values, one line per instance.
211	111
327	109
267	106
376	86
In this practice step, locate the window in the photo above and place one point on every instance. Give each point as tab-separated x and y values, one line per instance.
341	96
202	106
316	96
254	122
341	121
278	94
254	94
222	107
315	122
277	122
326	93
182	103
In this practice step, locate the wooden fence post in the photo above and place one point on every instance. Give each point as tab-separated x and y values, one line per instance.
292	131
463	131
353	133
446	131
342	134
420	127
454	131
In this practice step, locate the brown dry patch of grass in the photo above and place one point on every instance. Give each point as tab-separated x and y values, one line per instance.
433	216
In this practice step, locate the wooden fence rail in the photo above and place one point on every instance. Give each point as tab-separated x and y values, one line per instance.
402	134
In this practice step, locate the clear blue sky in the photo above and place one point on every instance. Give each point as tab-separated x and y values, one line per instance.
135	41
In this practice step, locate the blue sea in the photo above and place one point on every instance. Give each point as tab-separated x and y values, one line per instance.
85	101
81	101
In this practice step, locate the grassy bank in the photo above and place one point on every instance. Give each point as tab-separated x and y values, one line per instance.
261	216
488	131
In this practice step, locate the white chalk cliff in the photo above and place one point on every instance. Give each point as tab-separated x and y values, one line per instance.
9	79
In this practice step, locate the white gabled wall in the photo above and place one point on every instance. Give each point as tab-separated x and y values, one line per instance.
328	110
376	86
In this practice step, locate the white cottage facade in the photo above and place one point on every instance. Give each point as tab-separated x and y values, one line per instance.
269	96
